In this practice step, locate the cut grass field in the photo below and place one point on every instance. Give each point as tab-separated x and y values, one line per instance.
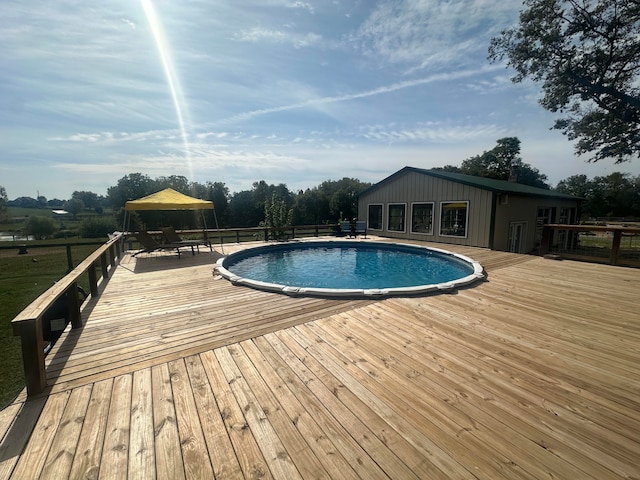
22	279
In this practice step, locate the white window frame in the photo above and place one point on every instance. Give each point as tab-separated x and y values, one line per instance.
389	205
433	219
466	220
381	205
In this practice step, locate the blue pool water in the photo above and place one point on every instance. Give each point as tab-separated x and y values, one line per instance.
346	266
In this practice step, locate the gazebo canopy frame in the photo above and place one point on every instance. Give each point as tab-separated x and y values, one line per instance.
168	199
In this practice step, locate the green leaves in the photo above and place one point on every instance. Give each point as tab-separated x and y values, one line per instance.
586	54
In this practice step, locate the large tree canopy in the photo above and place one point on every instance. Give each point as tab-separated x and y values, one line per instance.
498	163
586	53
616	195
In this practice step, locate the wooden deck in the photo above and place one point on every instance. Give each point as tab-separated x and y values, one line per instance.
530	374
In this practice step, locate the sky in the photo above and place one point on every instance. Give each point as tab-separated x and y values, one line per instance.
294	92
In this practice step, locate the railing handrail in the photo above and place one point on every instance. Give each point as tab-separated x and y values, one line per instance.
617	230
28	323
592	228
28	244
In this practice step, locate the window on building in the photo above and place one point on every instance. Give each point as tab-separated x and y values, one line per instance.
422	218
453	219
396	217
375	217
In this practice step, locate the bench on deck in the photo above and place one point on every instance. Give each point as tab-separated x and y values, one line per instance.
360	228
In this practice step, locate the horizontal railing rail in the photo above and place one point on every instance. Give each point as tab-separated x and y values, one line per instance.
613	244
288	232
23	248
28	323
244	234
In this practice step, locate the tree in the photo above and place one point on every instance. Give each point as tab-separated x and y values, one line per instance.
311	208
277	215
586	53
343	197
616	195
242	210
40	227
178	182
131	187
88	199
74	206
97	227
25	202
246	208
498	162
218	193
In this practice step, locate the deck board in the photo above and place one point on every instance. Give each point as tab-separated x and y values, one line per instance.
529	374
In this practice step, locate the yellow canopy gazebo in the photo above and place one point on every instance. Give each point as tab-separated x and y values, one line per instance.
169	199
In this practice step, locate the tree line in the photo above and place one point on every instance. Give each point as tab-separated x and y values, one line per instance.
615	195
326	203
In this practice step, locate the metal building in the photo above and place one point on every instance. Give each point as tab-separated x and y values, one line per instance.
438	206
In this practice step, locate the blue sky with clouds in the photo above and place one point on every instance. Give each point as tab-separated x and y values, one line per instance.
285	91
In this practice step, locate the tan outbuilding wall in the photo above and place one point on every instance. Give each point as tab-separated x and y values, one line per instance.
485	213
413	187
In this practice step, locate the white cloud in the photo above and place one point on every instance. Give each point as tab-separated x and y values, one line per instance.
431	132
303	5
128	22
258	34
422	33
358	95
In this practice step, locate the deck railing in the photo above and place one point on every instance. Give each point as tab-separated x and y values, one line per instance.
238	235
28	323
613	244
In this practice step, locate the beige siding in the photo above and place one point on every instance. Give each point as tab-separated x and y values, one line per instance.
413	187
408	187
523	209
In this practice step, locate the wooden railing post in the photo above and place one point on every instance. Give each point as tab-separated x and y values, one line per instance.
104	265
30	332
69	259
93	280
73	305
615	247
545	244
112	255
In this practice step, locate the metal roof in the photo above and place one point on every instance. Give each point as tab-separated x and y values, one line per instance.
496	186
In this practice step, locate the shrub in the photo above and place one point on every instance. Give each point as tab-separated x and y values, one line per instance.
65	234
40	227
96	227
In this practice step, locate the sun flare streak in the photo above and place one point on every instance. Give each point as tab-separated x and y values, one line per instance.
171	75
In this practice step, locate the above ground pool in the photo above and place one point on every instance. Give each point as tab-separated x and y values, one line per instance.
348	268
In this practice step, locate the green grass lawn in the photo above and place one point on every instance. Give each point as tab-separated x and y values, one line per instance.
627	242
22	279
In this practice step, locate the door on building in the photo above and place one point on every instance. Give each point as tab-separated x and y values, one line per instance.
517	235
